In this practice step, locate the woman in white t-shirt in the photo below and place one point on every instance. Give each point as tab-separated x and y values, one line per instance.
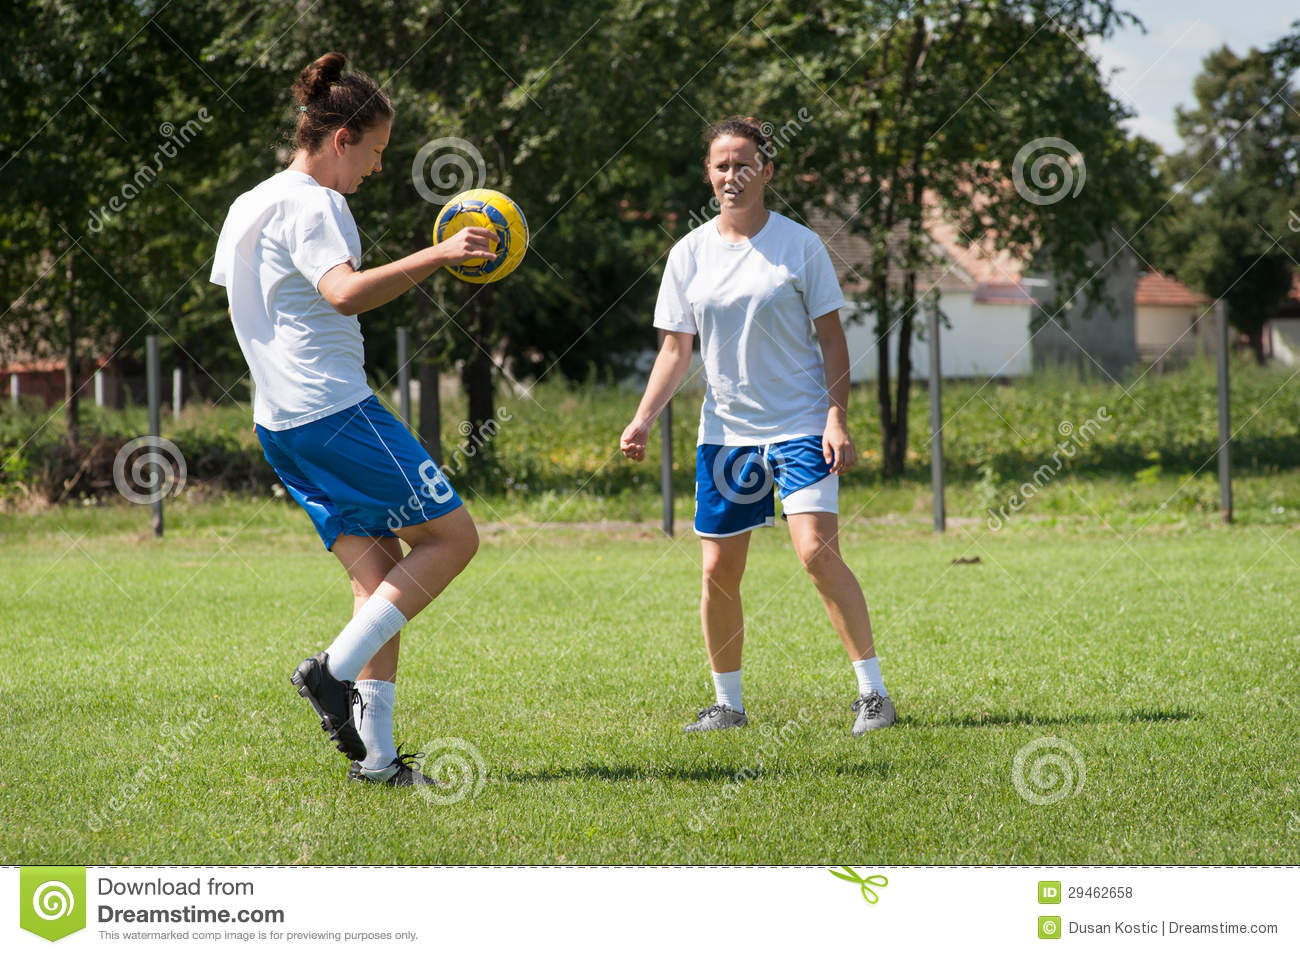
760	291
289	257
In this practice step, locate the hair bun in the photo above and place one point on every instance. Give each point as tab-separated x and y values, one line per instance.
317	78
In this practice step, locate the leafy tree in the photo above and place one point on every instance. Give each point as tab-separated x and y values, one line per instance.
1228	231
76	96
572	111
930	104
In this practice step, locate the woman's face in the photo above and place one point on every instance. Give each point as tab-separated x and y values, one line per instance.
737	173
358	160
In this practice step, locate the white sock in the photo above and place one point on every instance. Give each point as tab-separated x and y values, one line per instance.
869	678
373	715
727	687
372	626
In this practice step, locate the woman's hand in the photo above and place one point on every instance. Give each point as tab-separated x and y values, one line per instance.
837	447
471	242
633	442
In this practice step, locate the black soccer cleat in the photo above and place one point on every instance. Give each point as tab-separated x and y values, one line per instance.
407	773
332	700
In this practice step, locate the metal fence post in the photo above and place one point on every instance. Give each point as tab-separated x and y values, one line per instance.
936	423
155	428
1225	419
404	376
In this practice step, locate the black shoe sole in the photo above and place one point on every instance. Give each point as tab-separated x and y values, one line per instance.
348	743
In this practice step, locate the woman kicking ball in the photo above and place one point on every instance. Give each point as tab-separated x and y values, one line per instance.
760	291
289	257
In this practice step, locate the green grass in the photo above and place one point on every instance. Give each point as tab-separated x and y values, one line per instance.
555	455
150	721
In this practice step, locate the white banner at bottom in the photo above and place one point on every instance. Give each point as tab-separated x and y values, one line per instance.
654	909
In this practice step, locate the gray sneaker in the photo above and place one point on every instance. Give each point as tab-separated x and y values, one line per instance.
717	717
875	712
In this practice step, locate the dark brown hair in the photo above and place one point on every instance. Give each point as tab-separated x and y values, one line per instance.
745	126
328	100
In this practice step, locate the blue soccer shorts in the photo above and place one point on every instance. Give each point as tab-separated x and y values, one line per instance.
359	471
735	487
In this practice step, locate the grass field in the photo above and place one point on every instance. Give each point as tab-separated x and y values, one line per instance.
146	702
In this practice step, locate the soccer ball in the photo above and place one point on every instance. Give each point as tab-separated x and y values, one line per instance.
488	209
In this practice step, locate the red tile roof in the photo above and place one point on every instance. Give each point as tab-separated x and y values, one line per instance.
1156	288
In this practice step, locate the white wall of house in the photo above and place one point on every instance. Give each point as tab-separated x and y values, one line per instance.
1162	328
985	340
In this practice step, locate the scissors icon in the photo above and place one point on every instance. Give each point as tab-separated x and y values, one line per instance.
865	884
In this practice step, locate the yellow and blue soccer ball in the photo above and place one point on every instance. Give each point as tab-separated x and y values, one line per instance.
487	209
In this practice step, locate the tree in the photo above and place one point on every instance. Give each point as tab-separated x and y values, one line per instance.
1228	231
929	107
527	90
100	132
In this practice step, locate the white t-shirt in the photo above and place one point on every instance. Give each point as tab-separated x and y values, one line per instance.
279	238
753	303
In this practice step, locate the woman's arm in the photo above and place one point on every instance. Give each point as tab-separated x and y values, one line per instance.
837	446
671	365
352	292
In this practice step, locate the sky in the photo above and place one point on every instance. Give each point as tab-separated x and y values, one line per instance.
1156	69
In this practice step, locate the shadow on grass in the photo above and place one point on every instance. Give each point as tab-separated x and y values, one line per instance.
1026	718
878	769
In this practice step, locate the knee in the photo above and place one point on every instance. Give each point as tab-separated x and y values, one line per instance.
820	559
722	573
467	544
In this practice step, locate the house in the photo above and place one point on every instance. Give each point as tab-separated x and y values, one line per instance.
30	380
983	296
1173	322
989	303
